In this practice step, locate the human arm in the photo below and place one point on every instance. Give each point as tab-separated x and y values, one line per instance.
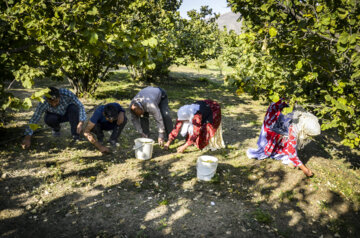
136	122
196	122
121	118
294	157
291	149
153	109
40	109
173	134
91	138
306	170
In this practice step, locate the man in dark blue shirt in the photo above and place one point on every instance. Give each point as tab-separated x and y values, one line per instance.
105	118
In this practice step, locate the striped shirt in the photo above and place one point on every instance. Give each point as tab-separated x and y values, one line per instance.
66	98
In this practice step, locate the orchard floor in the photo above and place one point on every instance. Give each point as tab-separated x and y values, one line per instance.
64	189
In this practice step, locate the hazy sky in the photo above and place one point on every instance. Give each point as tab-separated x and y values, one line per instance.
218	6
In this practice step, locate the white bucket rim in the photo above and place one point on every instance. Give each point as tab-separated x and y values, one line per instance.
205	158
144	140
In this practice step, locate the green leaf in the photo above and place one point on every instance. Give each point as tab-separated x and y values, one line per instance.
151	66
342	13
272	31
153	42
27	103
342	101
352	39
356	75
94	11
299	65
341	48
275	97
344	37
27	82
319	8
264	7
325	21
39	49
93	38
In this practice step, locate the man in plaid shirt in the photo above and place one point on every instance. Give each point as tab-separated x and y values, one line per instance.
60	105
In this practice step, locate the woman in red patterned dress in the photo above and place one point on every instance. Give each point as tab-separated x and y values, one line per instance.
199	122
281	136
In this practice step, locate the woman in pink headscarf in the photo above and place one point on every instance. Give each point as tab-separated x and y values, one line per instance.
200	123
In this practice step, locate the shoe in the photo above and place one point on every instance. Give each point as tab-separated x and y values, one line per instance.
112	142
56	133
75	138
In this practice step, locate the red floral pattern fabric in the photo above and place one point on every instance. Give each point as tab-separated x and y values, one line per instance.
276	143
201	132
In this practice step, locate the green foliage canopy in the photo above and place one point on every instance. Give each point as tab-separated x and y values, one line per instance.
81	41
307	51
199	36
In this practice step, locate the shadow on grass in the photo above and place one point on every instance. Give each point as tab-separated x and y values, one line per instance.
166	201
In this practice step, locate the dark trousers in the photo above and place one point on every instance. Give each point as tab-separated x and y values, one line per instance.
99	129
165	113
72	115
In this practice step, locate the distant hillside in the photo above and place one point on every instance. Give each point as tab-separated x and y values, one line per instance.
230	21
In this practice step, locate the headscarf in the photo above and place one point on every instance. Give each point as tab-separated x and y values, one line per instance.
186	114
306	125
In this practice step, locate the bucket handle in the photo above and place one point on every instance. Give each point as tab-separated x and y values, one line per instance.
135	148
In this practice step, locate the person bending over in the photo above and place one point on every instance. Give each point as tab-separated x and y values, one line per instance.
151	101
200	123
282	135
109	117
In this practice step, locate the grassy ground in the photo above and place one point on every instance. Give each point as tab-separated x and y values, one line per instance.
60	189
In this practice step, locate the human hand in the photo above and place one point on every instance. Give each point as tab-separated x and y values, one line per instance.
79	127
144	135
308	173
166	146
26	142
161	141
182	148
104	150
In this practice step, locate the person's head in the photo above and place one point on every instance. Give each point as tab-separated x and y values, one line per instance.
53	96
111	113
137	109
187	112
307	125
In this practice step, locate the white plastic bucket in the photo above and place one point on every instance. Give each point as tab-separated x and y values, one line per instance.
143	148
206	167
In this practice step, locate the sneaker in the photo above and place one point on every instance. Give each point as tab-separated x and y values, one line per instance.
55	133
